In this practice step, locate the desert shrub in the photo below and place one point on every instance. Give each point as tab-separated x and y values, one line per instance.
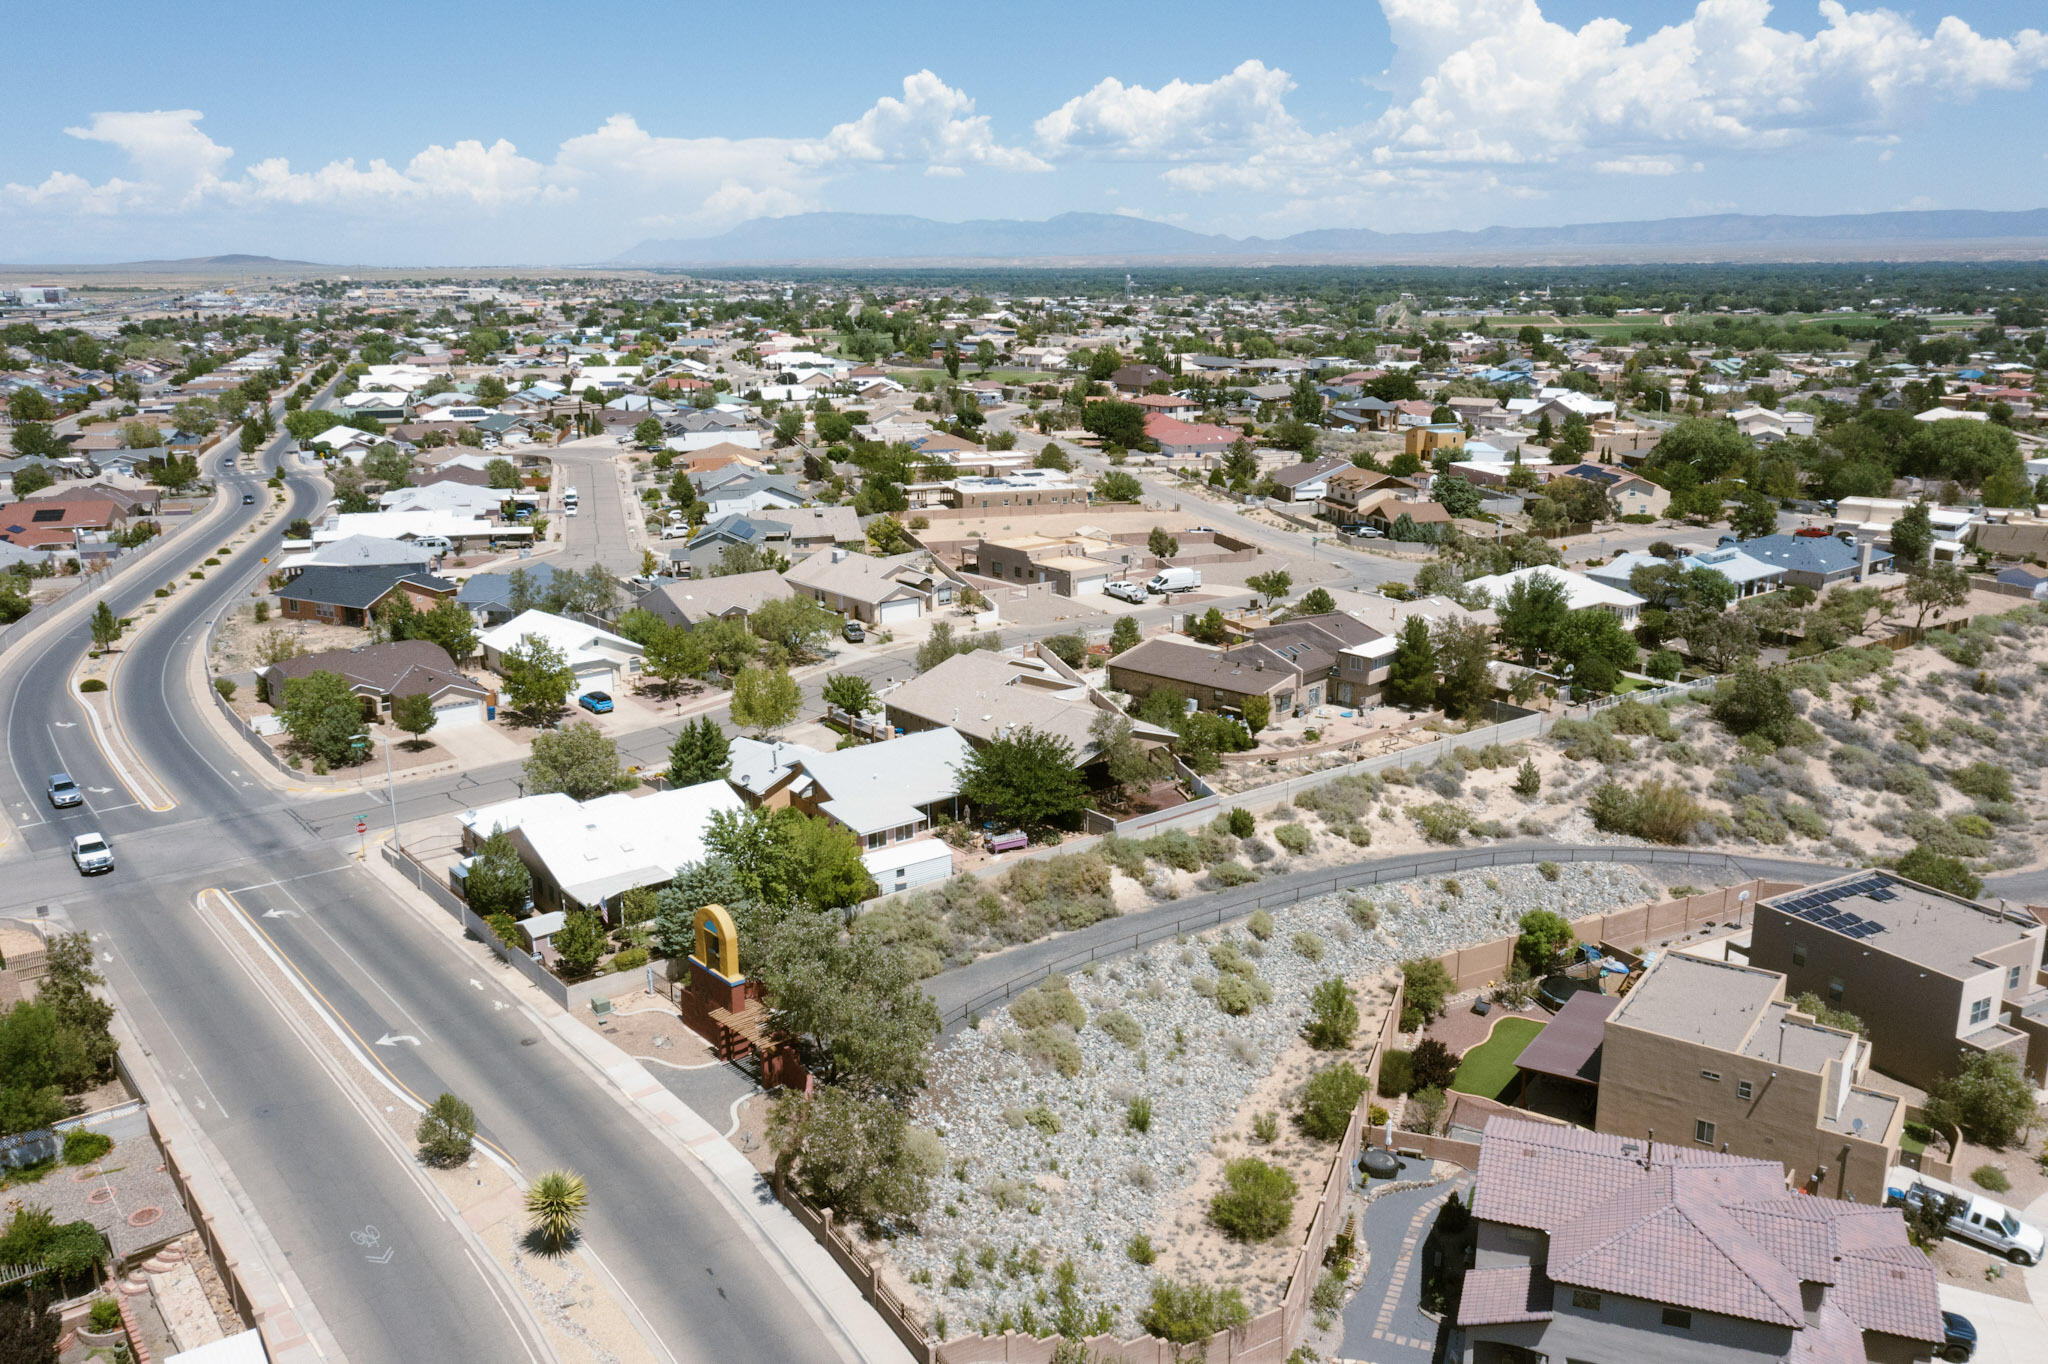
1332	1015
1068	891
1397	1074
1983	780
1186	1313
1328	1099
1238	994
1630	716
1363	912
632	959
1138	1114
1293	837
103	1316
1803	820
1140	1250
1549	871
1049	1003
1257	1201
1425	1111
1260	925
1307	945
1656	811
1343	800
1125	1029
1992	1178
1757	818
1441	821
1051	1048
1912	783
1328	1294
1228	874
1241	823
1583	740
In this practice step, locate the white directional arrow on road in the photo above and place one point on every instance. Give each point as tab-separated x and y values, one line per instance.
280	913
388	1040
474	981
66	724
101	790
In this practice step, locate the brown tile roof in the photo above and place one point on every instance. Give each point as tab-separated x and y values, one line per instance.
396	669
1508	1293
1247	668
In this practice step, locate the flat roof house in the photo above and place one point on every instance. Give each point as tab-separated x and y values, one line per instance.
1610	1248
1935	978
1709	1053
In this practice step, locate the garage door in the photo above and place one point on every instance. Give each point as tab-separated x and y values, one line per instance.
1090	586
897	612
594	679
457	712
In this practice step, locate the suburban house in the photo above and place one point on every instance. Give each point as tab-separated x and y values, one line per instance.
352	595
1711	1053
889	795
705	550
489	595
759	493
1075	565
984	695
600	659
1580	590
1308	482
58	522
1216	679
734	596
361	551
1383	511
890	590
1177	439
1816	561
2013	540
1137	378
1016	488
763	770
1431	438
1766	425
381	673
1935	978
586	855
1630	494
1597	1247
1349	490
1750	577
1320	647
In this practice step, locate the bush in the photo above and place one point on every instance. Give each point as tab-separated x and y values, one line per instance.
104	1316
1930	868
92	684
1441	821
1434	1065
446	1131
1292	837
1257	1202
1397	1074
1663	665
1186	1313
1424	1112
1656	811
1992	1178
1266	1128
1228	874
1138	1115
1260	925
1427	985
1983	780
1989	1099
1052	1048
1363	912
1140	1250
1242	824
1047	1004
1308	946
1332	1016
1238	994
630	960
1328	1294
1549	871
226	688
1121	1026
83	1148
1328	1099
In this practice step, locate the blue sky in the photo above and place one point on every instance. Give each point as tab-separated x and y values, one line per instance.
533	134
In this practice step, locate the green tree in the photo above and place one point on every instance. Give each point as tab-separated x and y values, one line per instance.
1328	1100
786	858
537	677
1532	612
1126	764
1574	440
1411	673
106	626
1117	423
1257	712
1117	486
503	475
67	988
849	692
1935	590
323	717
886	536
1542	939
1596	646
579	944
1756	514
580	761
414	713
764	699
1027	778
1273	586
1426	985
941	644
1989	1099
556	1202
1160	544
1464	654
39	1060
1753	701
1124	634
789	426
796	624
1455	494
1315	602
389	465
671	653
1941	871
1332	1015
497	881
29	405
852	1002
854	1153
1257	1201
647	432
446	1131
448	624
700	753
31	479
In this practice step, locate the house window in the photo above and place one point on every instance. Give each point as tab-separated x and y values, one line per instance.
2012	977
1835	988
1799	954
1980	1010
1743	1089
1678	1318
1703	1131
1713	1075
1586	1299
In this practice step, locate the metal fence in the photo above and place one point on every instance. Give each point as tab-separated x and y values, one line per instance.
446	899
1227	907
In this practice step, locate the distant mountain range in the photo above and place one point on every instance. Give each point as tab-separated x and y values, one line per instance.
1101	238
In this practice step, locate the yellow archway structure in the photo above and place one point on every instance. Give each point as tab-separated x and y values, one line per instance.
718	943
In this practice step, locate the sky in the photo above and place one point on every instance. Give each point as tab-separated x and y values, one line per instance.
513	134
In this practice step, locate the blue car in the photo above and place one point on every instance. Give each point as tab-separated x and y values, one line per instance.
1959	1338
596	702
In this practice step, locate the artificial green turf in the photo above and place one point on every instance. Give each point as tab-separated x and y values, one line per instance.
1488	1069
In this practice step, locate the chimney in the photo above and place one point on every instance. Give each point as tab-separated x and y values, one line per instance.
1863	562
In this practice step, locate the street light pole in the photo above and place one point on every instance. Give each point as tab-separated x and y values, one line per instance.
391	793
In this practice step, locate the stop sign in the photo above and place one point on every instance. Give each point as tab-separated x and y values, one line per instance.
362	826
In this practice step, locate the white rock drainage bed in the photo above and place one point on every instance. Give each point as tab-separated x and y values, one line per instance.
1084	1191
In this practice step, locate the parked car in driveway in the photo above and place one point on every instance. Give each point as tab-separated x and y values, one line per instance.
596	702
92	853
1124	590
855	632
64	792
1959	1338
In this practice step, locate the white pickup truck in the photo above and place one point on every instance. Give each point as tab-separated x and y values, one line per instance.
1971	1217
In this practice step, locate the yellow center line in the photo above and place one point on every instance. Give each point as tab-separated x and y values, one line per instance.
367	1049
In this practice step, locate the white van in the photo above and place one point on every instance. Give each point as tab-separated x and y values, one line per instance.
433	544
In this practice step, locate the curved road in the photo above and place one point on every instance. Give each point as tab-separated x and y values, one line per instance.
315	1166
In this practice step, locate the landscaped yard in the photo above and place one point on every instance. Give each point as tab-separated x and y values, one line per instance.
1487	1069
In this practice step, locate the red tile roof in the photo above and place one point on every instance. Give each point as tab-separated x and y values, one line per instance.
1173	431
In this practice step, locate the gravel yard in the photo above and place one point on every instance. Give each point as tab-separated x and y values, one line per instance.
1044	1162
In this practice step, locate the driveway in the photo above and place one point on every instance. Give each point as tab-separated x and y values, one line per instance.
1384	1322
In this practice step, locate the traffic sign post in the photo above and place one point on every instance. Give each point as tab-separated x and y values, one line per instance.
362	844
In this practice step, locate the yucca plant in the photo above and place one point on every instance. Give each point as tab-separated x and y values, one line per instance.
556	1202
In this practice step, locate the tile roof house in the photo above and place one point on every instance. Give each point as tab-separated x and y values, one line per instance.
1216	679
351	595
1179	439
879	590
735	596
381	673
983	694
1308	482
1600	1247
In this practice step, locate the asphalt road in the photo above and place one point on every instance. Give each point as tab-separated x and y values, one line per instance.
316	1169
